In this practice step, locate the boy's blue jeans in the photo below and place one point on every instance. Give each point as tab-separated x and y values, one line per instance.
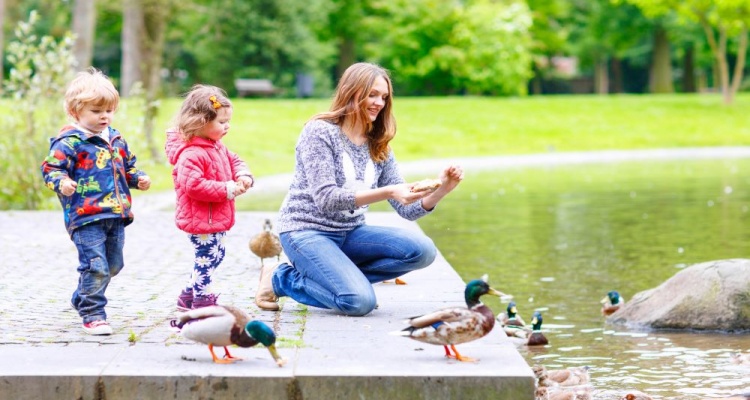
100	256
336	270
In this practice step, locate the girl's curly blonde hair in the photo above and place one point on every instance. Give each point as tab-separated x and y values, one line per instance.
201	106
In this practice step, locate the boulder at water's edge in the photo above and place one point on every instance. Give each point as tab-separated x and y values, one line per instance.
714	295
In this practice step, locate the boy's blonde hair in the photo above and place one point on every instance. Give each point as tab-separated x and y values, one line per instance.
349	102
90	87
201	106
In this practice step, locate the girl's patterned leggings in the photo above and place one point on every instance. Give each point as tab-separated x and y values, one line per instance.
209	252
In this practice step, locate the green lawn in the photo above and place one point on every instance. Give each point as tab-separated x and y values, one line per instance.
264	131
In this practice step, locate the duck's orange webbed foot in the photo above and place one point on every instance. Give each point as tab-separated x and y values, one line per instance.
218	360
458	355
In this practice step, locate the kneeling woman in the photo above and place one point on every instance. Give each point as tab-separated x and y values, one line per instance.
343	164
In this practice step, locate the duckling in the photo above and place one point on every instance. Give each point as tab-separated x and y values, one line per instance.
536	337
266	244
455	325
612	302
563	393
512	323
225	326
636	395
572	376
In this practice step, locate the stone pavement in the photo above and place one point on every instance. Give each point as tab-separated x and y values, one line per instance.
45	354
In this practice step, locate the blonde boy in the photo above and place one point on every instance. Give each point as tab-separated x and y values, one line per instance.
91	169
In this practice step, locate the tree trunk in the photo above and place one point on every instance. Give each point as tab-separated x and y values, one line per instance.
739	65
2	42
661	64
155	18
719	51
688	71
618	83
536	81
601	76
132	32
347	55
84	20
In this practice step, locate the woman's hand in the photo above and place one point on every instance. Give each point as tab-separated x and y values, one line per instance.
451	177
402	193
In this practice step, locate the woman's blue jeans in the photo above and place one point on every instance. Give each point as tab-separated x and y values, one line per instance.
336	270
100	257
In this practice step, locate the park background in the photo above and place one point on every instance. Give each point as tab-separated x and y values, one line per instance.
472	79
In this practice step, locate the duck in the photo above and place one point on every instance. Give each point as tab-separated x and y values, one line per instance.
612	302
572	376
224	325
512	323
266	244
451	326
564	393
536	337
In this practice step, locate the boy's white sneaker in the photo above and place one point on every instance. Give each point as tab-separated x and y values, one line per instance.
98	327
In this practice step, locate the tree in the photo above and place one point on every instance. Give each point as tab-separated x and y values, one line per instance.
549	34
274	39
84	20
40	68
132	34
603	34
449	47
721	20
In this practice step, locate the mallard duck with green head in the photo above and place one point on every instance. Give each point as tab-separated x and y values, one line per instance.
224	326
512	323
455	325
612	302
536	337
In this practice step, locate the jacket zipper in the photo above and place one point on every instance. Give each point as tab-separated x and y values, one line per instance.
210	214
114	175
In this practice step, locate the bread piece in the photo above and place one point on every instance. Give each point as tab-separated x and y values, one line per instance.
426	185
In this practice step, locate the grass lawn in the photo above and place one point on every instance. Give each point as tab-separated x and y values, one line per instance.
264	131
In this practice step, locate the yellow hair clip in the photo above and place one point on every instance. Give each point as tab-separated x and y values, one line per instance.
215	103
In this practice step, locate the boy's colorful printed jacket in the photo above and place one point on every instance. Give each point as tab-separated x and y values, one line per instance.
201	170
103	171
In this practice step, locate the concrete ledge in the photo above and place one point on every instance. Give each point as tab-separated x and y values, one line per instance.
45	354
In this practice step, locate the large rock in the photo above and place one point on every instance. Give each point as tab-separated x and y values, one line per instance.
713	295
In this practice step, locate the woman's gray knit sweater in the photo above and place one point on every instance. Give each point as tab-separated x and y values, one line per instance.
329	169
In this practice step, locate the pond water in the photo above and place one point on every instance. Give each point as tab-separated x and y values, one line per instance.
559	238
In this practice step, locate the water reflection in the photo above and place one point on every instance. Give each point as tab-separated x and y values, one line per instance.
560	238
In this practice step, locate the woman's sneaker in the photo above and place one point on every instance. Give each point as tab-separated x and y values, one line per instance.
98	327
204	301
185	300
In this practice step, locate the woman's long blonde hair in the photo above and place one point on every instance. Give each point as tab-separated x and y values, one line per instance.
200	107
349	102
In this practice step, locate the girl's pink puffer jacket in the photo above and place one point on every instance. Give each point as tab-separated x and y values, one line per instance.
201	170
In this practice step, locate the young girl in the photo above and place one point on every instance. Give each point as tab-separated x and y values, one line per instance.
207	177
344	163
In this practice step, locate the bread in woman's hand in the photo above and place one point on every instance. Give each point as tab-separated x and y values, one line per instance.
426	185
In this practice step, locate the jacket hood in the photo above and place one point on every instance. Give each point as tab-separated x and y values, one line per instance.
176	145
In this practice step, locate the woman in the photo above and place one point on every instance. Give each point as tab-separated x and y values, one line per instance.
343	164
